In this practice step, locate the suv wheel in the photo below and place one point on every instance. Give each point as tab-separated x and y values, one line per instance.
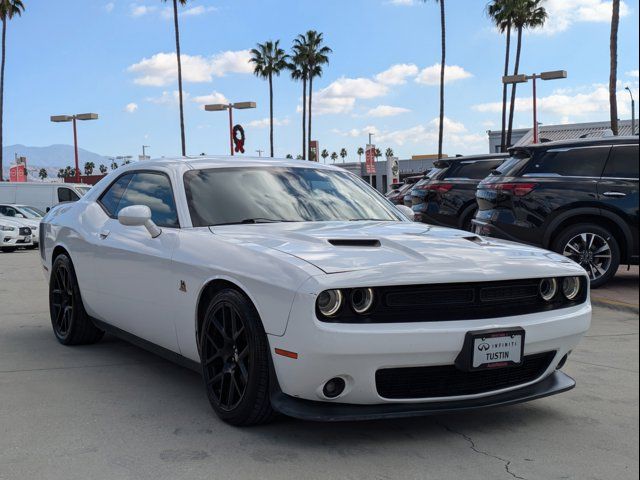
593	247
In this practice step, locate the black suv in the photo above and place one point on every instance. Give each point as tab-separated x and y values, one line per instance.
578	198
447	195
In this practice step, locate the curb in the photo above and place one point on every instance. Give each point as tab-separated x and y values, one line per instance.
614	305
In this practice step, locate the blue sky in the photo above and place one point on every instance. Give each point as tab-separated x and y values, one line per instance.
117	58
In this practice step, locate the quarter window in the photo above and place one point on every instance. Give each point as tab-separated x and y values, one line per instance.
574	162
67	195
623	162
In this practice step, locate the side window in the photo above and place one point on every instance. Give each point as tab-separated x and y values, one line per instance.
475	170
574	162
154	191
67	195
111	197
623	162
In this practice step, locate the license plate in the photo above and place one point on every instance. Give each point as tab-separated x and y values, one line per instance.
491	349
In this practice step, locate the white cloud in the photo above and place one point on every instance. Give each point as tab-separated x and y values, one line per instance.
386	111
354	87
264	123
142	10
168	98
196	11
452	73
213	97
564	13
488	124
397	74
162	69
402	3
323	105
109	7
131	107
633	73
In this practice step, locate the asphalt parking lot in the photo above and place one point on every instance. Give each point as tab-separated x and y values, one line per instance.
114	411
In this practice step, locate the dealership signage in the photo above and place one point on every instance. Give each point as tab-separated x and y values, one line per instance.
370	159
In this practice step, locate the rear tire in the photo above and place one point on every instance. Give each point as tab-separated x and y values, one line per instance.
235	360
8	249
70	322
593	247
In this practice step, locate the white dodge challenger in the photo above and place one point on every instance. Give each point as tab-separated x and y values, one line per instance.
296	288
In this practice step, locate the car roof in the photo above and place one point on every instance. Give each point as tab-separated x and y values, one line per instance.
220	161
578	142
448	161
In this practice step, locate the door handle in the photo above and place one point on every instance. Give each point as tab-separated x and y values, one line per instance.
614	194
104	234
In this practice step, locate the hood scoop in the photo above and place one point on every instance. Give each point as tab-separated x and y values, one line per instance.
354	242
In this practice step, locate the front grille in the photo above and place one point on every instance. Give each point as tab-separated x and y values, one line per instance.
448	381
455	301
24	231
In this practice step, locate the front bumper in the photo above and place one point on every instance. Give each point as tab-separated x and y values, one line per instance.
15	240
557	382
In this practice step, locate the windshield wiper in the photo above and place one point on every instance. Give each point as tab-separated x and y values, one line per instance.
254	220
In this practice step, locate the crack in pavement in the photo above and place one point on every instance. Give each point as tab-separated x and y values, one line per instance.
472	445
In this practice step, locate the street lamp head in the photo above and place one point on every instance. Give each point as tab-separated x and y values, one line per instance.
514	79
87	116
553	75
216	107
244	105
61	118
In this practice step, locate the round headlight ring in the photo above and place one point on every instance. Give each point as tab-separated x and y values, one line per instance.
329	302
571	287
362	300
548	288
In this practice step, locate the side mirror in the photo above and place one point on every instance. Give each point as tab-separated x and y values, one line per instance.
406	211
139	216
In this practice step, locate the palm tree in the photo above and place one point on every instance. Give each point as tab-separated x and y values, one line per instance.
324	155
316	55
88	168
613	66
389	153
360	152
343	154
289	156
299	71
334	157
443	46
61	173
269	60
377	153
43	173
501	12
526	14
114	164
103	168
8	10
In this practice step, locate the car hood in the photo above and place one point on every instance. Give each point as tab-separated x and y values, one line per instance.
402	247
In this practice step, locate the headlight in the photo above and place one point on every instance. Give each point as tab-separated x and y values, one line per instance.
362	300
6	228
548	288
329	302
571	287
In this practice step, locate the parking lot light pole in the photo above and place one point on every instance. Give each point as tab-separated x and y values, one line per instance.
522	78
73	119
633	111
217	107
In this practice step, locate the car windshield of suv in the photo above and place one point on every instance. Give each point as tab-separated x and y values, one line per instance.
223	196
31	212
509	165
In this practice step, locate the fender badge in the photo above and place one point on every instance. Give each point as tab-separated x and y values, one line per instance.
183	286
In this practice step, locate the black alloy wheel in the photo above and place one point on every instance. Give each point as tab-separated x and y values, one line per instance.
62	300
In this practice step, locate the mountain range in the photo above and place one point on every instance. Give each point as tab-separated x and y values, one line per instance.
52	158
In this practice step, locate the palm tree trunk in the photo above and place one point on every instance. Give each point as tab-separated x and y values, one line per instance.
271	113
309	129
442	66
504	91
177	31
304	118
4	52
613	71
513	87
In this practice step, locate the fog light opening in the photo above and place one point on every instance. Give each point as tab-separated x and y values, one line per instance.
562	361
333	387
571	287
548	288
361	300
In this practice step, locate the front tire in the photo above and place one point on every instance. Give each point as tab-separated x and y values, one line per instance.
235	360
593	247
8	249
70	322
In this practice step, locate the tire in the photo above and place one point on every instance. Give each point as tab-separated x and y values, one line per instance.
8	249
235	360
466	223
593	247
70	322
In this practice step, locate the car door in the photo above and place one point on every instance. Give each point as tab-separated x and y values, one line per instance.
133	270
618	188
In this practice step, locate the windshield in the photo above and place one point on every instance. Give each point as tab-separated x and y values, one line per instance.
258	194
31	212
508	165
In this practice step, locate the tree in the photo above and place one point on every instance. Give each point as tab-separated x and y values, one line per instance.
526	14
269	60
88	168
299	157
180	99
343	154
443	47
8	10
501	12
61	173
316	55
324	155
360	152
43	173
613	65
300	71
289	156
377	153
103	168
114	164
388	153
334	156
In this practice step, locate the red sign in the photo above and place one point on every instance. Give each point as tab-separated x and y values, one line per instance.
17	173
370	159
